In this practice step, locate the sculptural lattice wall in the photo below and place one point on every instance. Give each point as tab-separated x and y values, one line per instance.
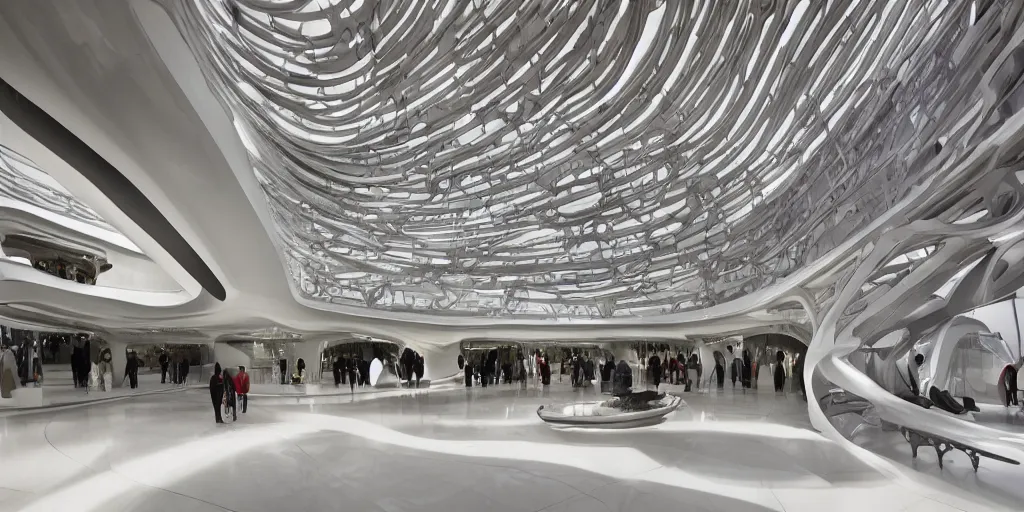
580	158
956	242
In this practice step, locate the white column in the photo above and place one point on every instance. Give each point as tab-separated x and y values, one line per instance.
440	362
230	357
624	351
118	359
310	352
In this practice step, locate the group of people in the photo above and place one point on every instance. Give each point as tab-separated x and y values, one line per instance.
411	367
581	371
741	370
99	375
352	370
677	370
227	390
486	370
176	370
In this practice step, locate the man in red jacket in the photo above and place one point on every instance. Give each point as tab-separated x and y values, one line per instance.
242	387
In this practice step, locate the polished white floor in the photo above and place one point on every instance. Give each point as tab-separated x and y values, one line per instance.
478	449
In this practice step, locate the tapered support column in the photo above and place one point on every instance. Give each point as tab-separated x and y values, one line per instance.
310	352
624	351
440	362
118	359
230	356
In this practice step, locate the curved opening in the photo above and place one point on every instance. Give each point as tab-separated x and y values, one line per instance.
66	145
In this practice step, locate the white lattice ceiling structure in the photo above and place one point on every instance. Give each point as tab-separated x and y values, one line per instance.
576	158
435	171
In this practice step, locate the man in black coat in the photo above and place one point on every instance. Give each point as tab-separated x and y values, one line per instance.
164	363
183	371
217	391
1010	385
364	372
131	370
780	373
654	366
408	362
418	368
748	368
353	374
484	371
337	369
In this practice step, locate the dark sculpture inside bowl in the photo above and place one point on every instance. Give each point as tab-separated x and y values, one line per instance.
626	411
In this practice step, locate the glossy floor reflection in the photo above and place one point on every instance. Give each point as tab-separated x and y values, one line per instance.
478	449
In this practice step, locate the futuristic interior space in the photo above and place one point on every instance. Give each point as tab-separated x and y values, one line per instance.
511	255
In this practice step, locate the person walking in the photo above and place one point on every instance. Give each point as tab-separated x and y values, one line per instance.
8	371
418	369
217	391
352	375
164	363
131	370
242	387
105	369
229	395
336	370
183	371
654	367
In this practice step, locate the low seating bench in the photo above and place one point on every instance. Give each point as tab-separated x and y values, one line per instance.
942	445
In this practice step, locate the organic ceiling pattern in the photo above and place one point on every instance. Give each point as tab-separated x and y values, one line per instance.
22	181
588	158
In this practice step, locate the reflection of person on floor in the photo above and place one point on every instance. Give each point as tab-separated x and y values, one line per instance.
165	362
242	387
217	391
131	370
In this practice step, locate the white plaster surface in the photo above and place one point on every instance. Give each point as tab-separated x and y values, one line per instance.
477	449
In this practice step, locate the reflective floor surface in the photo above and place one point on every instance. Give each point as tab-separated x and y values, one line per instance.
477	449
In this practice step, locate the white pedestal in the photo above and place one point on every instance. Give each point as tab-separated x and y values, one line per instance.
28	397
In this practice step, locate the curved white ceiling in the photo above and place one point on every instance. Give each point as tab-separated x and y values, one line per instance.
577	158
892	104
